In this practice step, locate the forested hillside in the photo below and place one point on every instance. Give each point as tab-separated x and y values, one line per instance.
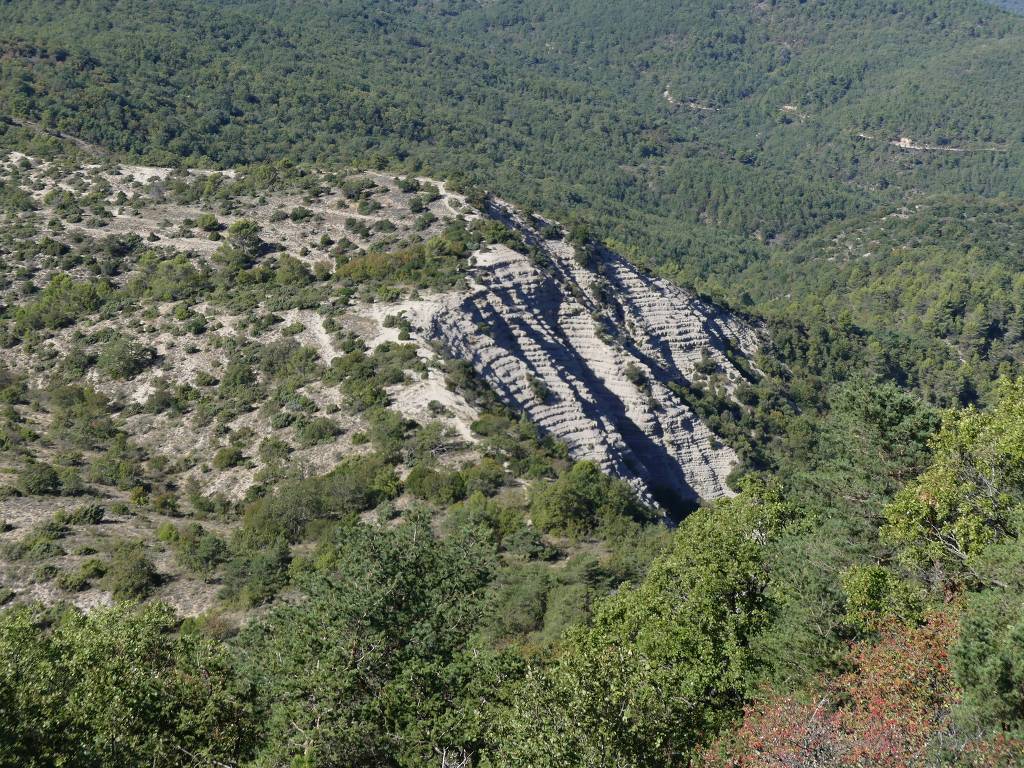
288	435
707	137
715	103
1011	5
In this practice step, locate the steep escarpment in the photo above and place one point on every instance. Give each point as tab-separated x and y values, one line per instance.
599	355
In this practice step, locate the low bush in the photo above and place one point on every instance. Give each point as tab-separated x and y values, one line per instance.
124	358
440	486
131	575
87	514
195	548
322	430
38	478
228	457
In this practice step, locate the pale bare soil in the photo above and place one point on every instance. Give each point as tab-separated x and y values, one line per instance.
137	201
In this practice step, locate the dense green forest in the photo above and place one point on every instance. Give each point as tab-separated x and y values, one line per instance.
1011	5
847	172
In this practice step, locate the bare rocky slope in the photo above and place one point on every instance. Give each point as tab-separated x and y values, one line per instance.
587	345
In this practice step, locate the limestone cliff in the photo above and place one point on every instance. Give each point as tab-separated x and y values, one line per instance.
586	345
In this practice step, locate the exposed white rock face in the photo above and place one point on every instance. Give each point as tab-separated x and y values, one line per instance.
586	348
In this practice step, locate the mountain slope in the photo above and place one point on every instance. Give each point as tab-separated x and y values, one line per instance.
165	356
712	139
747	115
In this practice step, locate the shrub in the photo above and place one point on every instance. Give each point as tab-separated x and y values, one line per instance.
486	476
131	575
706	365
254	574
478	510
889	709
71	483
875	595
321	430
117	686
635	375
205	379
93	568
208	222
39	544
80	416
195	548
87	514
244	236
356	485
168	278
540	389
357	187
290	272
582	499
988	661
120	465
124	358
72	581
62	302
38	478
239	383
526	543
202	553
227	457
438	486
274	451
367	207
45	572
437	408
164	504
408	185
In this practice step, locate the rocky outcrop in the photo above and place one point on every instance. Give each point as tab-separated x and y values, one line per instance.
587	345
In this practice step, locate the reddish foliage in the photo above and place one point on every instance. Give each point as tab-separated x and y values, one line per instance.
891	711
899	694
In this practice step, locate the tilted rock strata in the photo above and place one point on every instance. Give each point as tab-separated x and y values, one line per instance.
591	365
